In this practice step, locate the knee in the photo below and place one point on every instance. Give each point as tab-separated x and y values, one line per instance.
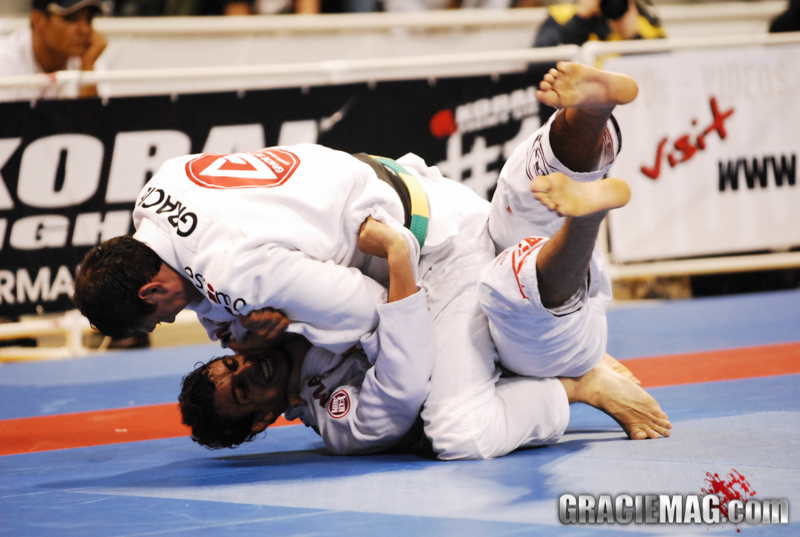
463	437
457	448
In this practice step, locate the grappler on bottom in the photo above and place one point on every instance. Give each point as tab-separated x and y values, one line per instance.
554	276
546	293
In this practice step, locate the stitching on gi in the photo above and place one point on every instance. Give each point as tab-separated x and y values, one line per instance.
537	163
619	133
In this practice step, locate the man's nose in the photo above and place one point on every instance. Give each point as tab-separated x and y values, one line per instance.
244	368
84	25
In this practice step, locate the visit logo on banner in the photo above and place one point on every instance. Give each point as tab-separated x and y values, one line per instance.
709	149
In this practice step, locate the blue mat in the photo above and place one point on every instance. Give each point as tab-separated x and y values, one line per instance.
286	484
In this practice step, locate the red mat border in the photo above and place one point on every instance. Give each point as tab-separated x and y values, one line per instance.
153	422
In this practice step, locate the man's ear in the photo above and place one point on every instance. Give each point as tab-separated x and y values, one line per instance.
149	291
37	19
261	422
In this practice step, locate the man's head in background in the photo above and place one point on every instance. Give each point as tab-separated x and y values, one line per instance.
63	29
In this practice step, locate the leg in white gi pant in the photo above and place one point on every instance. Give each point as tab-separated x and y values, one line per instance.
470	413
532	340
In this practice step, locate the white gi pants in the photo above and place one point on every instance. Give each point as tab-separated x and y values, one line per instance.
530	339
469	413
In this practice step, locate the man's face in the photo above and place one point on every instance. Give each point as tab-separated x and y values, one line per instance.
170	294
253	385
69	35
168	306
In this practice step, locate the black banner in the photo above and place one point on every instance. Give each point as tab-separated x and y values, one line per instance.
71	170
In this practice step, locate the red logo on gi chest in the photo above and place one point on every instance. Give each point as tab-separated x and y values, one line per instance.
264	169
339	404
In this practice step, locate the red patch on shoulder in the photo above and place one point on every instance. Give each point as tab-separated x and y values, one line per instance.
339	404
264	169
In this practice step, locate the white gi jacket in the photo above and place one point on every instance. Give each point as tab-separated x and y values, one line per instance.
276	228
367	399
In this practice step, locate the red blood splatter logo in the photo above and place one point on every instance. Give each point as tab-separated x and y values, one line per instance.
443	124
339	404
735	487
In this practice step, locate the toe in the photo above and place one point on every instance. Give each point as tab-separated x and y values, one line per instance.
659	430
545	200
540	183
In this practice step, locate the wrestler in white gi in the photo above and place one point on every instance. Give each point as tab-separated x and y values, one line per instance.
288	251
471	412
570	338
274	228
363	401
278	229
356	405
545	318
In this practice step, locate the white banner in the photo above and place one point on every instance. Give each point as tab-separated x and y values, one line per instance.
710	151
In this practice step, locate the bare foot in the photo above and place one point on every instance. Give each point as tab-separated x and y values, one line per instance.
572	85
610	361
571	198
634	409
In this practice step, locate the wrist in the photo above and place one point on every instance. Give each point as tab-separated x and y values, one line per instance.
398	251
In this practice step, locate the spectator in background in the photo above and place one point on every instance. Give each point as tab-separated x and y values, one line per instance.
182	8
423	5
788	21
603	20
596	20
60	38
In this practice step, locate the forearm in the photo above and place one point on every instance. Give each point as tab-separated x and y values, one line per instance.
388	401
378	239
89	59
333	306
401	273
88	90
306	7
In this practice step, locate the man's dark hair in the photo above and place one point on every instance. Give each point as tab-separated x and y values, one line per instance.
108	282
199	411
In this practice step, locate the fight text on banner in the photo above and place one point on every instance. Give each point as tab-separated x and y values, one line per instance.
70	171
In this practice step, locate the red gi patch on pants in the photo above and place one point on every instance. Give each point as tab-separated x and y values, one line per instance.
520	254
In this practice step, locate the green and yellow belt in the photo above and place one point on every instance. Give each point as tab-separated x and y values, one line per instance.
408	187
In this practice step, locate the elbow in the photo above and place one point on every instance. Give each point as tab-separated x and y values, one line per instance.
408	398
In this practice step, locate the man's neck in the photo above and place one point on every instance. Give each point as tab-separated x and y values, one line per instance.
193	294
